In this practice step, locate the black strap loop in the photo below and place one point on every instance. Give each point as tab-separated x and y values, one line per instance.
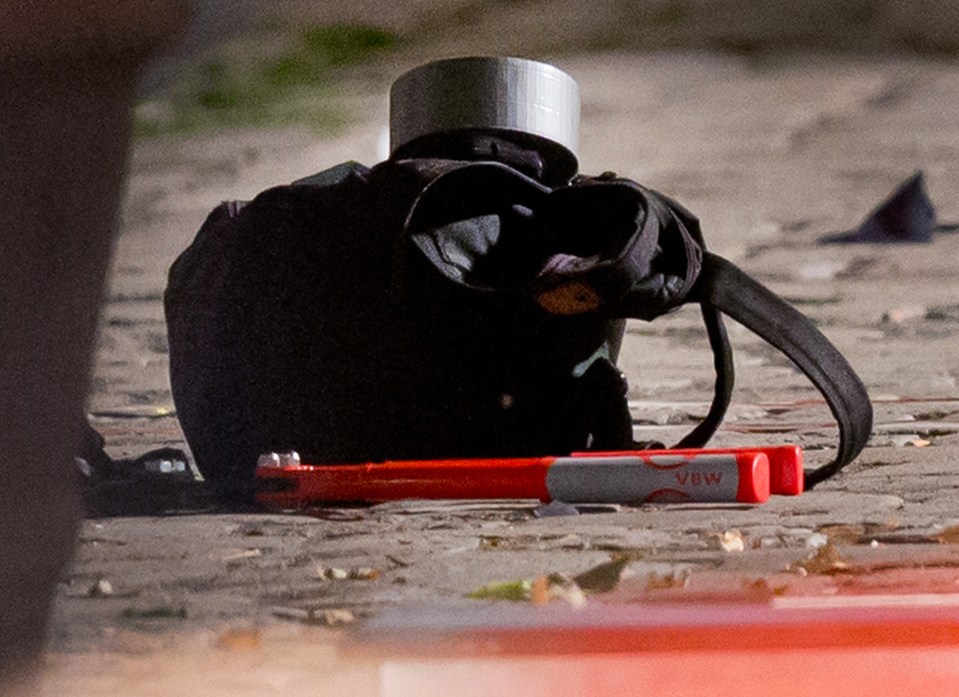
727	288
725	378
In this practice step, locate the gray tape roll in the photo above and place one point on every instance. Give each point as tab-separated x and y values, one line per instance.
487	93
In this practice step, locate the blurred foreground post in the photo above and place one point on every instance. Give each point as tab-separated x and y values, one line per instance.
68	76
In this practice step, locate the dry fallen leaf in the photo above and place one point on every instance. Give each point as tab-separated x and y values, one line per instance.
325	617
555	586
843	534
239	639
948	536
331	618
356	573
101	589
859	534
363	573
602	578
563	588
826	561
761	589
732	541
656	581
331	574
503	590
539	590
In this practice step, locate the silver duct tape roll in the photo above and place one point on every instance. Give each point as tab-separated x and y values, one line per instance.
502	94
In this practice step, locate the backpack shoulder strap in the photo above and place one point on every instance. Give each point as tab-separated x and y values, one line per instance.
727	288
723	386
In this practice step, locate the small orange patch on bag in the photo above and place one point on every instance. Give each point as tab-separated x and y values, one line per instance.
569	299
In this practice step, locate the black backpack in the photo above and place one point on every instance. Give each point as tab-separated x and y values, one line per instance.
430	308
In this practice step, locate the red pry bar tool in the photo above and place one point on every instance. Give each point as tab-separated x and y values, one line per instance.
722	475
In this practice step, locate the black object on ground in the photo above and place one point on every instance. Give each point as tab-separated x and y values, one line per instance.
906	215
158	481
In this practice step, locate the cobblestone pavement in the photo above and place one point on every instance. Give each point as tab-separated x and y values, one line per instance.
771	156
